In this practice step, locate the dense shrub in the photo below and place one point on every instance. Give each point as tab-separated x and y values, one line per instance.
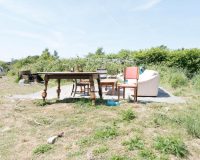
188	60
178	80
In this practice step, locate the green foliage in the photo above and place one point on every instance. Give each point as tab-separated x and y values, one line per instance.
115	157
134	143
128	115
107	132
101	149
196	81
151	56
147	154
190	120
171	145
178	80
42	149
187	60
160	119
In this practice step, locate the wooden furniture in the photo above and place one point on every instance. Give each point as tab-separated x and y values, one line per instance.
80	83
130	73
72	75
109	82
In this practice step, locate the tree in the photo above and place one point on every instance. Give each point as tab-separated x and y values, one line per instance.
99	51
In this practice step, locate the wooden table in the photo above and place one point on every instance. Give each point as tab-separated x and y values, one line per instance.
109	82
72	75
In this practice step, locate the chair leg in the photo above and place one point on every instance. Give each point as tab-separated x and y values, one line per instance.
136	94
118	93
72	89
123	93
75	90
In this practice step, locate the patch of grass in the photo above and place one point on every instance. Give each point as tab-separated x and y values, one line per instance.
84	142
116	157
147	154
44	120
128	115
100	150
107	132
171	145
41	103
42	149
134	143
191	121
160	119
196	81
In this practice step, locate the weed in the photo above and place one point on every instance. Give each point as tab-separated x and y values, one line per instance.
101	149
196	81
134	143
42	149
171	145
41	103
147	154
160	119
128	115
191	121
85	141
115	157
107	132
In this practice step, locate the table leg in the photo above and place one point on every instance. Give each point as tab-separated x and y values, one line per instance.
100	87
92	91
58	90
44	94
123	92
113	88
118	91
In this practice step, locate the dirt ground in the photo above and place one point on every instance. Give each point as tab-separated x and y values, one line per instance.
25	126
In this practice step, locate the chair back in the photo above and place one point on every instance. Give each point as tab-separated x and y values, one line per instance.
131	73
103	73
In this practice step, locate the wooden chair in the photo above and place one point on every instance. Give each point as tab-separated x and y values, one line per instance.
130	73
80	83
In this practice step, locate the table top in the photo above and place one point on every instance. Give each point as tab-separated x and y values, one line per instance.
108	80
68	73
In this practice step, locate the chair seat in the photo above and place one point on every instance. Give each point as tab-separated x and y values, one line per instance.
124	85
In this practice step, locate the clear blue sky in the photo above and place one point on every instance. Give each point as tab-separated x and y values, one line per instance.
76	27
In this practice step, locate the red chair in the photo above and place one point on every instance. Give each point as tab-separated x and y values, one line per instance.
130	73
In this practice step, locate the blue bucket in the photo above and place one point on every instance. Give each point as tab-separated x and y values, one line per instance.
112	103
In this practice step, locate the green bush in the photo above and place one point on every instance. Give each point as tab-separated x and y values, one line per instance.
171	145
178	80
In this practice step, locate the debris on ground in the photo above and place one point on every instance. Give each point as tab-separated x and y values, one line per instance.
53	139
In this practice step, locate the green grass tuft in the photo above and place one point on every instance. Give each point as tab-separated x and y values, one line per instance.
107	132
128	115
171	145
115	157
101	149
134	143
42	149
147	154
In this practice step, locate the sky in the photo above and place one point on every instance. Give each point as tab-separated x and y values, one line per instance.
77	27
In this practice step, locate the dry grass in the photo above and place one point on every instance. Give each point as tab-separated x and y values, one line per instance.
24	127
